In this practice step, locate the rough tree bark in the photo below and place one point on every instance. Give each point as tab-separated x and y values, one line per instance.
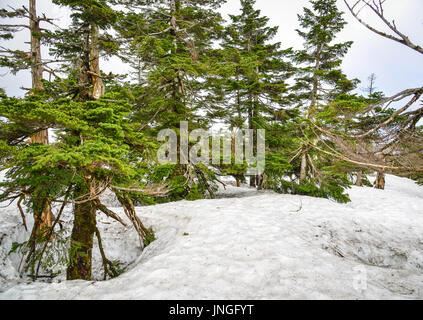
98	85
359	181
84	225
40	137
82	238
36	63
84	78
380	180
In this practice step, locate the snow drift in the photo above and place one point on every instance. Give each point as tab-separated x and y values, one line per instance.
256	245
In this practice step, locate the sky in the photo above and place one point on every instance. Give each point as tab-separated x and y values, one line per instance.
396	66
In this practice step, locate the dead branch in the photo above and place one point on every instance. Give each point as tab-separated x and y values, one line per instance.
155	191
22	212
108	212
106	262
222	183
417	93
377	8
144	233
49	236
340	156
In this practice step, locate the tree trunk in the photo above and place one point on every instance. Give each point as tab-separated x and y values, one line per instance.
253	178
84	79
40	137
303	172
253	181
359	181
84	226
260	182
380	181
314	94
240	121
313	103
98	85
36	66
254	127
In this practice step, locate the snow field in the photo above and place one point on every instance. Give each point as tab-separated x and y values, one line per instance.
258	245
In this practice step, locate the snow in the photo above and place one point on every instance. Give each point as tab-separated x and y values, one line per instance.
250	244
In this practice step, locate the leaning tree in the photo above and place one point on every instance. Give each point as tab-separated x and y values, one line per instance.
392	139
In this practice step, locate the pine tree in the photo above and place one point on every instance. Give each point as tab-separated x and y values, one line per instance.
88	17
79	47
253	73
97	146
170	41
18	60
319	81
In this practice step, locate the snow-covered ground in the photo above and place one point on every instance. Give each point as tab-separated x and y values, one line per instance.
257	245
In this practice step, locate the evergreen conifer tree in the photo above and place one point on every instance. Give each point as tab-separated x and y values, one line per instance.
97	146
253	73
171	41
19	60
320	80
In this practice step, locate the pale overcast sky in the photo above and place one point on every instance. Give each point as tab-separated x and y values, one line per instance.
397	67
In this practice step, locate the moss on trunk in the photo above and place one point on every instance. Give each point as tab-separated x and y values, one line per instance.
80	252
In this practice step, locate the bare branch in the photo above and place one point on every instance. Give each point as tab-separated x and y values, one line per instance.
108	212
22	213
378	10
156	191
417	94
